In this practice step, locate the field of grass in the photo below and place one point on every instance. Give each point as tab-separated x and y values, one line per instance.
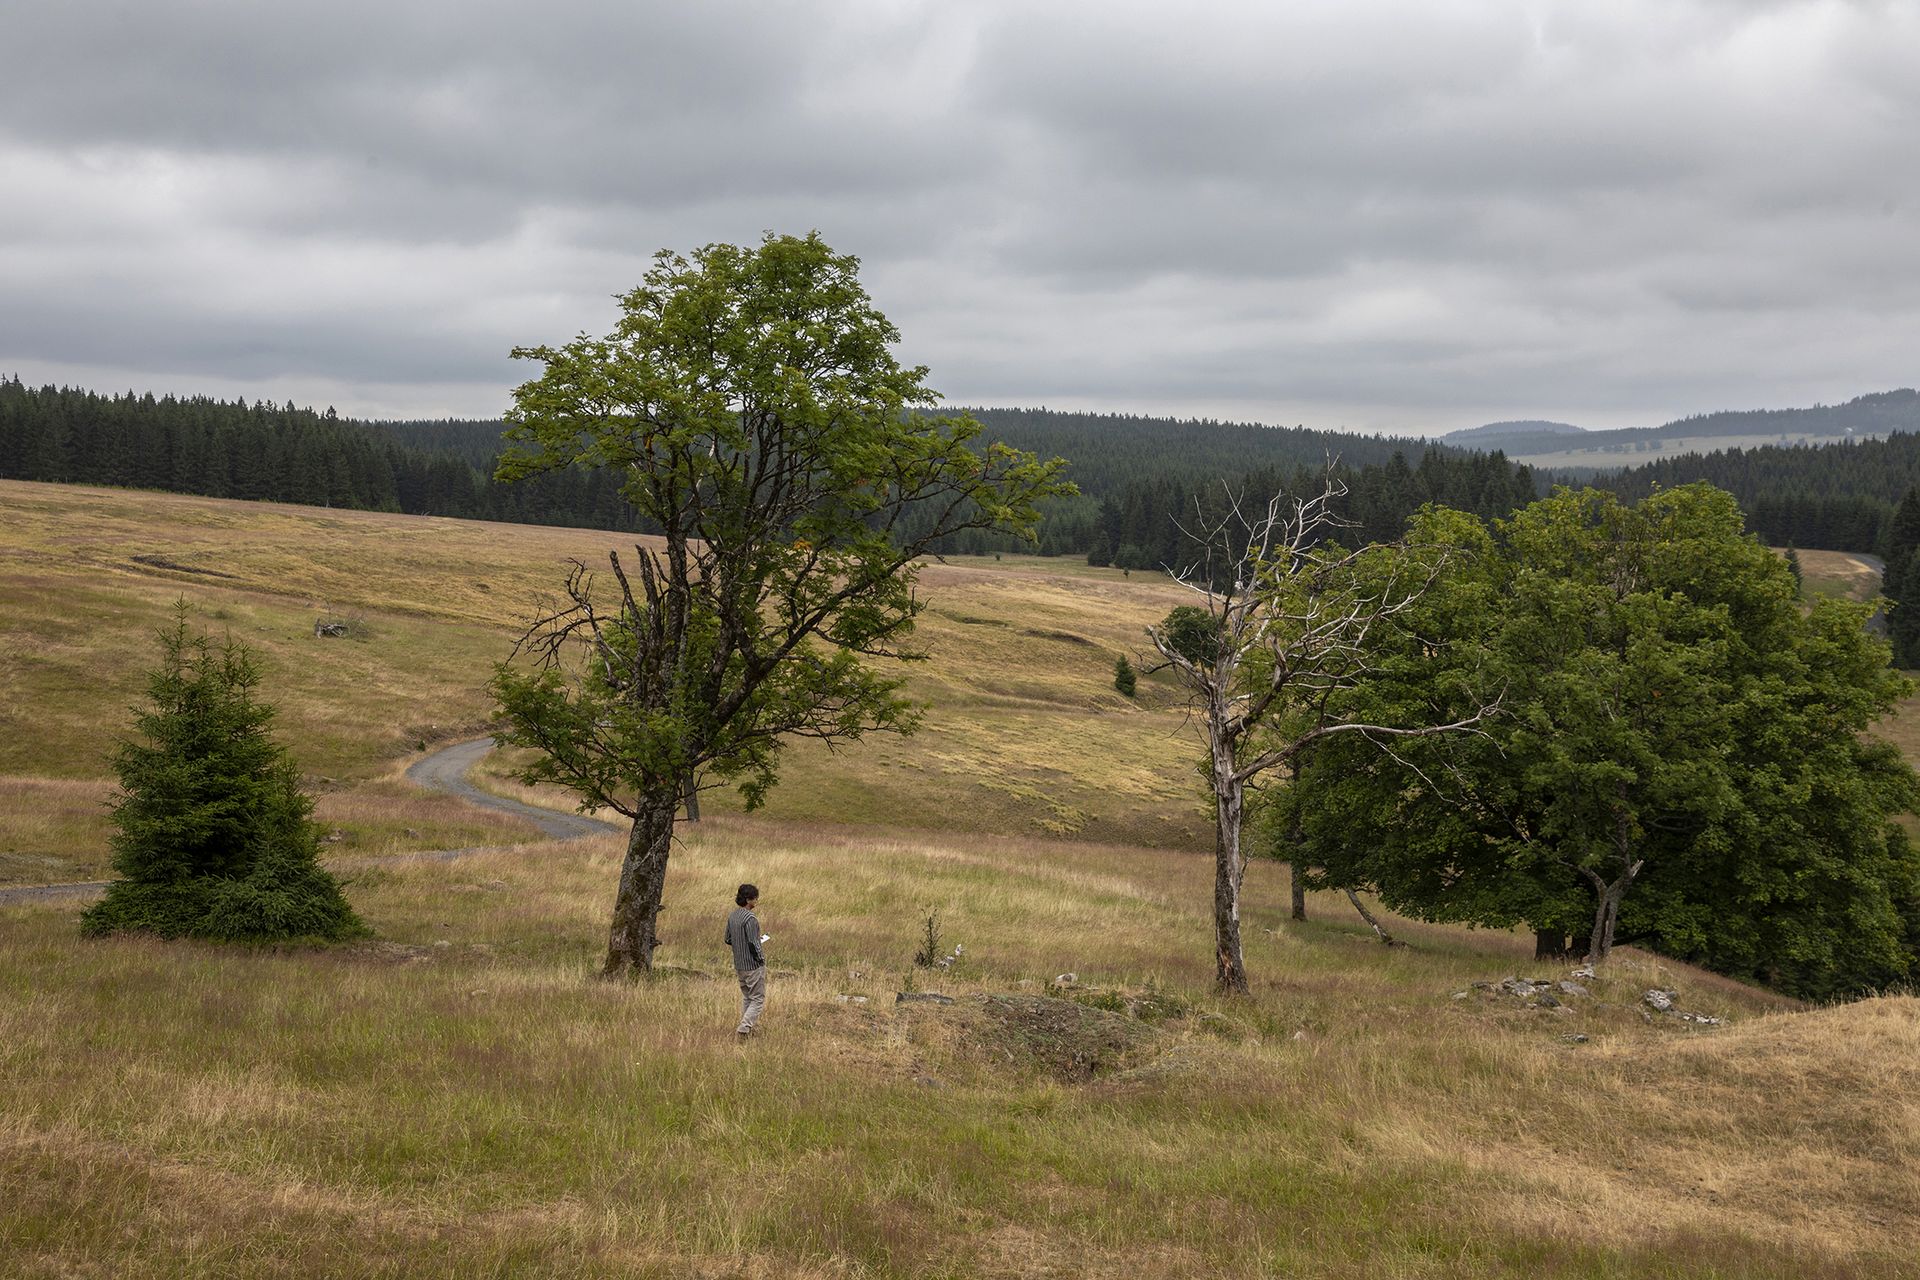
1598	456
461	1097
1836	573
1024	730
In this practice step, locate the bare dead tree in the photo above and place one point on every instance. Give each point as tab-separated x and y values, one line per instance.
1294	620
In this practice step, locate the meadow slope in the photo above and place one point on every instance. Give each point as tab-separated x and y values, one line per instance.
1024	732
461	1097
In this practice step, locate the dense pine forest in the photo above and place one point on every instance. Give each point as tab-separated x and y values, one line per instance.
1137	475
1141	479
276	453
1838	497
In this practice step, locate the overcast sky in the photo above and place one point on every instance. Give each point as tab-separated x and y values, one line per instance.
1411	216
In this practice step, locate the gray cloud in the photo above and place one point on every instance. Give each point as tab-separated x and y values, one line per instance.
1399	215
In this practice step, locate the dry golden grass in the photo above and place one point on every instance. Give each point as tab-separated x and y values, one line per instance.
460	1097
56	829
1836	573
407	1108
1024	731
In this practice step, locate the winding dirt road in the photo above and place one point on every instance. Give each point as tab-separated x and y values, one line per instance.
447	769
443	770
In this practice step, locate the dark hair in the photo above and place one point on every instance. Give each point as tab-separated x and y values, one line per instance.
747	894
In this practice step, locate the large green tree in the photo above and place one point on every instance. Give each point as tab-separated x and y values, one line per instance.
751	407
1682	760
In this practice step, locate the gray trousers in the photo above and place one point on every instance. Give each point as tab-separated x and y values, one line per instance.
753	998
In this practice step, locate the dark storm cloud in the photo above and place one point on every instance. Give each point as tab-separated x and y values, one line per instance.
1402	215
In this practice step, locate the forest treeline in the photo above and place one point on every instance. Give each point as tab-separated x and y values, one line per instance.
1146	525
275	453
1137	475
1836	497
1140	478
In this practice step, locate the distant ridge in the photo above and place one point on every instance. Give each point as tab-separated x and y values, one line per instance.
1554	445
1521	427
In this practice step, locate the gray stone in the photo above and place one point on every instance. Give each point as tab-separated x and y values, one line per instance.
1066	980
1571	988
1548	1002
1661	1001
1576	1038
852	999
921	997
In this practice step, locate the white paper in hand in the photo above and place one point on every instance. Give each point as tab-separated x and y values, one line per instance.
766	938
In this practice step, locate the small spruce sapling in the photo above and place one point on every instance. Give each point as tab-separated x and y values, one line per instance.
214	837
929	952
1123	676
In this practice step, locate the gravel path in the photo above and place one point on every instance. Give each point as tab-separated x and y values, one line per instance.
445	770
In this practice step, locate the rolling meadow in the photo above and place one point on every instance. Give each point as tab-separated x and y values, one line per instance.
460	1097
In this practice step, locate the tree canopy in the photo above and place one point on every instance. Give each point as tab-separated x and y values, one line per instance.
1682	758
750	405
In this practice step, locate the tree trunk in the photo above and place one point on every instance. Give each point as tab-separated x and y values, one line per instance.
1299	891
643	879
1606	912
690	797
1229	869
1385	937
1549	944
1581	947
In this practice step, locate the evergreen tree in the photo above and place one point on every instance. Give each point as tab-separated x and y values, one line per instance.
1123	676
214	838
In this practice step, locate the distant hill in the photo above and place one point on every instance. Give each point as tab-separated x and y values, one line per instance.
1869	417
1496	433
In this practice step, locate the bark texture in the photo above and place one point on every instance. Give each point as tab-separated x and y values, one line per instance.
1229	872
643	880
1606	911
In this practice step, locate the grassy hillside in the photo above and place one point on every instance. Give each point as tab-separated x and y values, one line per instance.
1025	732
1836	573
459	1097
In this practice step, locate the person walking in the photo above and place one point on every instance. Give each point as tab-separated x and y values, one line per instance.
749	961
